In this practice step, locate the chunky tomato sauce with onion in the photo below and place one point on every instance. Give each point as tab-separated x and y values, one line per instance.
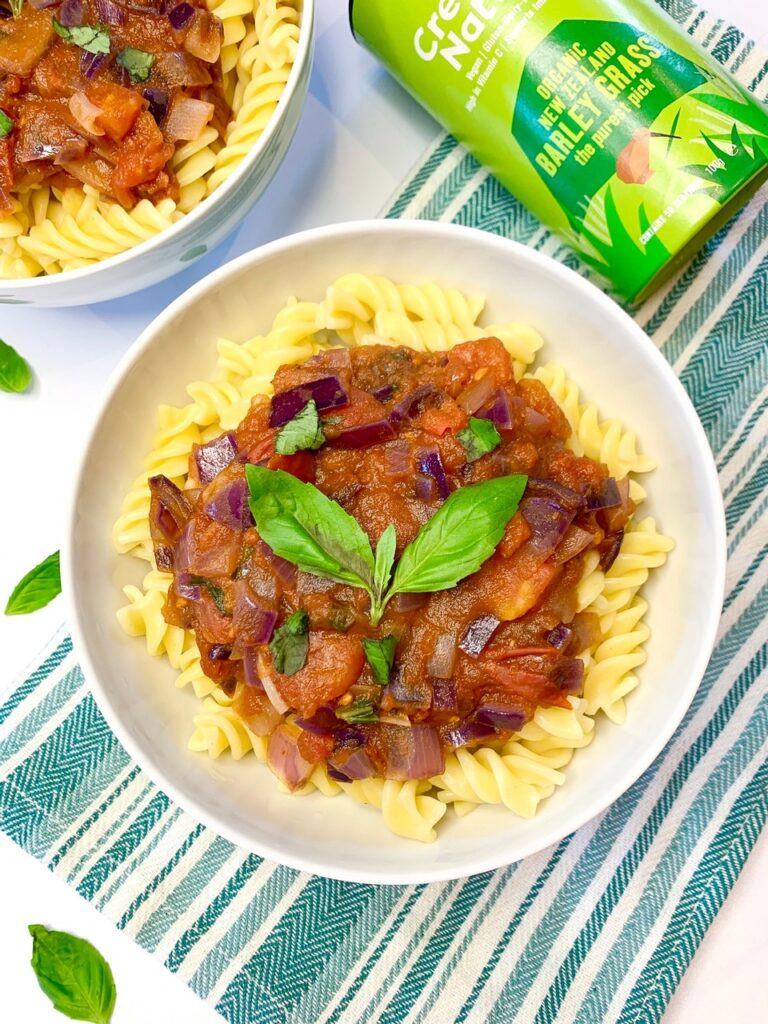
101	92
472	663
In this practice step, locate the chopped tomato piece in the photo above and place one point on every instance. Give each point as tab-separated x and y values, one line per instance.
538	398
315	749
301	465
486	353
24	40
446	417
517	584
333	664
516	534
143	155
119	109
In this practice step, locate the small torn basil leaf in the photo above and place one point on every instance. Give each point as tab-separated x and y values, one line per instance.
15	373
6	125
380	655
479	438
138	63
91	38
303	433
290	644
360	710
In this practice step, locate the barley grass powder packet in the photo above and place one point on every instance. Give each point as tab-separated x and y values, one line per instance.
604	118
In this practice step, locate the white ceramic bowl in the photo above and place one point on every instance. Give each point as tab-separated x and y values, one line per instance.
197	232
618	367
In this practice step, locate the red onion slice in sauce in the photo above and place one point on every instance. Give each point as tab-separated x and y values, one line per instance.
548	521
478	634
327	393
285	760
229	506
211	458
431	464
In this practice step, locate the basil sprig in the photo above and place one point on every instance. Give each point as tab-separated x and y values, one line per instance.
380	655
73	974
310	530
15	373
37	589
303	433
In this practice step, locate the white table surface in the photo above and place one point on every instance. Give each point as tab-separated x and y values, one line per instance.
358	137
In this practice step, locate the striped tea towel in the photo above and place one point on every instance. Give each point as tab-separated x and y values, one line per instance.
600	927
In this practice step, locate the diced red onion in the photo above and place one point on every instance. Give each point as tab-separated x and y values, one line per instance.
267	677
327	393
535	423
110	13
409	602
186	588
476	394
384	393
180	15
444	696
187	118
568	674
349	765
38	5
410	406
411	753
500	716
564	496
560	636
323	723
431	464
92	63
85	113
549	522
250	668
443	659
365	435
607	497
211	458
285	760
219	652
416	694
573	543
398	461
180	70
229	506
158	100
71	13
204	36
169	512
478	634
281	566
349	736
466	732
425	488
253	621
609	550
500	410
259	715
219	560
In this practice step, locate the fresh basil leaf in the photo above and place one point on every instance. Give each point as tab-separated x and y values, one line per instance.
138	63
216	593
37	589
73	974
308	529
360	710
92	38
380	655
6	125
462	534
15	373
385	558
290	644
302	433
479	438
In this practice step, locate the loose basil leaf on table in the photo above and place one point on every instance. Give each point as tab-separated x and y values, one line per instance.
290	644
303	433
73	974
37	589
380	655
15	372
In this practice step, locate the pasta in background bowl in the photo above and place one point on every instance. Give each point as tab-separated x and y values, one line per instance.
73	246
441	270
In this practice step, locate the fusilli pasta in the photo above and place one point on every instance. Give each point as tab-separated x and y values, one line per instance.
360	310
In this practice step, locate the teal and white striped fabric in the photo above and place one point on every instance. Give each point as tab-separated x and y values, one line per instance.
597	929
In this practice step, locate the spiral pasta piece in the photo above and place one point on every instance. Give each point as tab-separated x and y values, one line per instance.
219	729
406	808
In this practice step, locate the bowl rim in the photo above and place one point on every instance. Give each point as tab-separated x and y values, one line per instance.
23	285
602	797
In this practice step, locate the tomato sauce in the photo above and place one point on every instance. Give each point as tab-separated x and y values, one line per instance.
472	663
